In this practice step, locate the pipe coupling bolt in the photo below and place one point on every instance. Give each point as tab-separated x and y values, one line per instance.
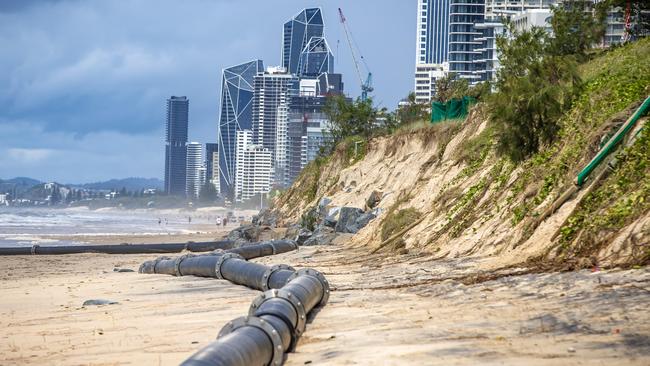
252	321
321	278
222	259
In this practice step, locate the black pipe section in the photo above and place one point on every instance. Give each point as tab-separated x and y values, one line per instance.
205	265
276	318
121	248
275	321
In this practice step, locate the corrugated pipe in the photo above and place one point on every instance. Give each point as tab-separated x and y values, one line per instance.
121	248
276	318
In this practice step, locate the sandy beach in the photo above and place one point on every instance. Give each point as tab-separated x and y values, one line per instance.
398	310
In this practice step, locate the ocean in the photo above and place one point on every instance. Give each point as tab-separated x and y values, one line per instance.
42	226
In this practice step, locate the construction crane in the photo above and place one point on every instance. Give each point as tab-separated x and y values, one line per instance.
366	86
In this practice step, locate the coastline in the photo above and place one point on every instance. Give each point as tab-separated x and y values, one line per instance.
382	310
201	232
75	225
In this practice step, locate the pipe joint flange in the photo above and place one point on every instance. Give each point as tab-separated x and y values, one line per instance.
217	252
269	272
177	263
301	323
222	259
266	327
321	278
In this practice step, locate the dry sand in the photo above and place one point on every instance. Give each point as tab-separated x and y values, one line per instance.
382	311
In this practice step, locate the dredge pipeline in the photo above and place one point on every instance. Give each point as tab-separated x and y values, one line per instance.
204	265
276	318
121	248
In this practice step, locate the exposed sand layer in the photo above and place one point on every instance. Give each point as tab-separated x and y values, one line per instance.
400	310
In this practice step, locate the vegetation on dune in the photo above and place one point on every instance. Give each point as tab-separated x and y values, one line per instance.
554	104
397	220
622	196
613	84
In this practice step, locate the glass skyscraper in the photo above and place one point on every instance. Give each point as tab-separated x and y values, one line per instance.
433	31
316	58
298	31
432	47
175	145
464	37
237	88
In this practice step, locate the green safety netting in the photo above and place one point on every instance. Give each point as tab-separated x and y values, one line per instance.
453	109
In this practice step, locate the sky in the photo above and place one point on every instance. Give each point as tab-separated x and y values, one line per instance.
83	84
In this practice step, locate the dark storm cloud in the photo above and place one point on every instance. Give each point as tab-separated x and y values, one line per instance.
93	73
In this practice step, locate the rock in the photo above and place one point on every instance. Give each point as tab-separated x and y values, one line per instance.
374	199
347	220
322	206
266	217
571	350
122	270
332	217
363	220
303	236
245	233
99	302
323	235
298	234
292	232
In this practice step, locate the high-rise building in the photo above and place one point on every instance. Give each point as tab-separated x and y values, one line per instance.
237	89
273	88
212	164
316	58
194	166
308	130
175	145
432	47
497	12
463	37
254	167
298	31
432	44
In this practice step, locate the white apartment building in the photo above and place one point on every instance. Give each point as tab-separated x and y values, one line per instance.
254	167
280	163
214	179
432	47
272	90
193	181
539	18
426	76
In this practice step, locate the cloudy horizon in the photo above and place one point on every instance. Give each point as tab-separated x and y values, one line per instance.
84	84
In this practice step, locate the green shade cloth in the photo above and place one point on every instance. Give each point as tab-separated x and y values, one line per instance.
453	109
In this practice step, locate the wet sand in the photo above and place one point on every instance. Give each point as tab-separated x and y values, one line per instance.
198	232
382	311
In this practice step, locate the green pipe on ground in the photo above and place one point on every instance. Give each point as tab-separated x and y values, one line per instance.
612	143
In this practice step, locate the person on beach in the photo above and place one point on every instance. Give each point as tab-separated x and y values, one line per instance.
159	221
189	219
225	221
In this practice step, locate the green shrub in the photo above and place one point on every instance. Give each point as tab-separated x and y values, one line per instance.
398	220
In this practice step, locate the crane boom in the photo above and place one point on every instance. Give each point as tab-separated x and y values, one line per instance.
366	87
